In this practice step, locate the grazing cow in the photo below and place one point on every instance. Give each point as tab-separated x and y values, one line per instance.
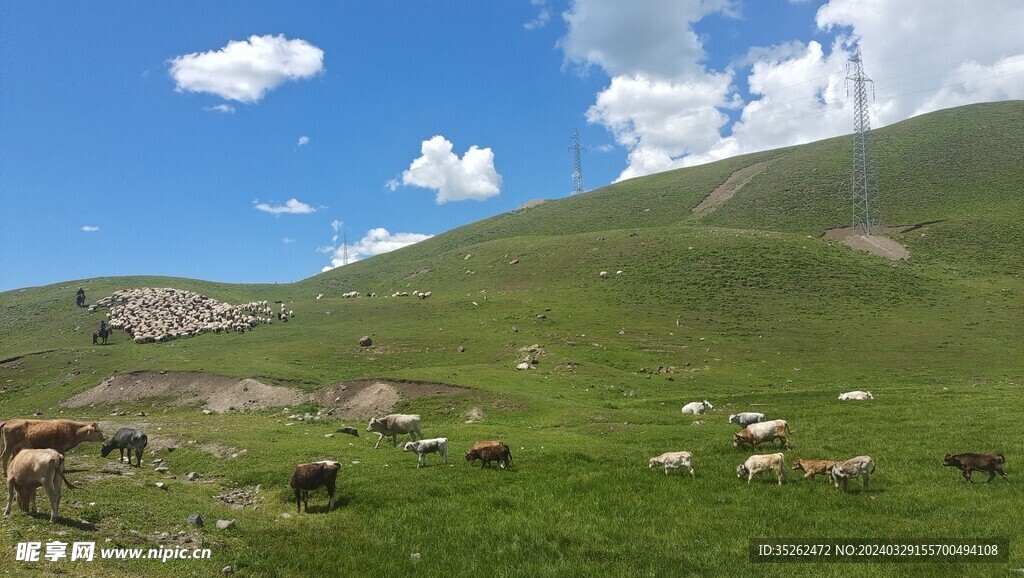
306	477
762	463
697	407
812	468
393	425
968	463
31	469
856	395
488	452
673	460
473	453
55	434
757	433
858	467
424	447
130	439
746	418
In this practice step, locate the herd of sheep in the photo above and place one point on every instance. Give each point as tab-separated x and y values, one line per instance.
151	314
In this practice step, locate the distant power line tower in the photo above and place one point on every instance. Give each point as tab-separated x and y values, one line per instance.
577	163
867	205
344	249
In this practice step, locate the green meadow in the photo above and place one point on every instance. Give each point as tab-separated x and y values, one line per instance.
751	307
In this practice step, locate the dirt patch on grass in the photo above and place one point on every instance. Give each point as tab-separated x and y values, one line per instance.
352	399
730	187
876	244
216	392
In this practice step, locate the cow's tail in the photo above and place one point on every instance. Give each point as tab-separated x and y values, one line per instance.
60	471
3	438
787	427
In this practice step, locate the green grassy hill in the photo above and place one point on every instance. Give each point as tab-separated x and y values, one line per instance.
751	305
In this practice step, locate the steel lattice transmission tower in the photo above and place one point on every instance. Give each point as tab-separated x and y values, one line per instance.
867	205
577	163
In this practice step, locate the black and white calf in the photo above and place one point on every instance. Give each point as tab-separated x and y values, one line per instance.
130	439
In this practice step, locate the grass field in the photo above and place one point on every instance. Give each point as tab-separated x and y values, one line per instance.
752	307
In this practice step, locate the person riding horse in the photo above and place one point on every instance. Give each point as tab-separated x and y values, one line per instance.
102	333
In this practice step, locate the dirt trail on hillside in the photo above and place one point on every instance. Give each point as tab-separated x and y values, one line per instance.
352	399
730	187
877	244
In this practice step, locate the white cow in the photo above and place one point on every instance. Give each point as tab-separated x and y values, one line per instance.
746	418
424	447
757	433
697	407
762	463
856	395
858	467
673	460
394	424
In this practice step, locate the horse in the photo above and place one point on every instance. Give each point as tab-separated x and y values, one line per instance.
100	334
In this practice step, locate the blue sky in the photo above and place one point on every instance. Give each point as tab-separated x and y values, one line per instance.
232	141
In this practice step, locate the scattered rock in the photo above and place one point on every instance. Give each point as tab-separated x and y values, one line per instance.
225	524
349	430
330	435
194	520
161	485
541	316
227	570
523	365
192	476
513	261
461	349
698	422
162	469
513	329
475	415
414	557
365	341
207	412
286	515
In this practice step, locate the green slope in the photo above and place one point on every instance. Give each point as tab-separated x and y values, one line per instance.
748	302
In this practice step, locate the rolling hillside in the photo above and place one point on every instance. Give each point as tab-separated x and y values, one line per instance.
748	303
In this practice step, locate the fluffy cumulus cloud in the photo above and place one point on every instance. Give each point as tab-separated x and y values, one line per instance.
245	70
668	110
542	18
290	207
375	242
303	140
90	228
472	177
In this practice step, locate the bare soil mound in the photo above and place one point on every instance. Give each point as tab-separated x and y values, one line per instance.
352	399
217	392
875	244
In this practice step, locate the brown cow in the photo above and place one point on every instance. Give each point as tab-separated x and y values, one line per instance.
967	463
30	470
487	454
473	454
306	477
811	468
757	433
55	434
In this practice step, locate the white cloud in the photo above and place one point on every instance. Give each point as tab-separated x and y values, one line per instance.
303	140
291	207
542	18
90	228
245	70
221	108
604	148
287	240
653	38
471	177
375	242
392	185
